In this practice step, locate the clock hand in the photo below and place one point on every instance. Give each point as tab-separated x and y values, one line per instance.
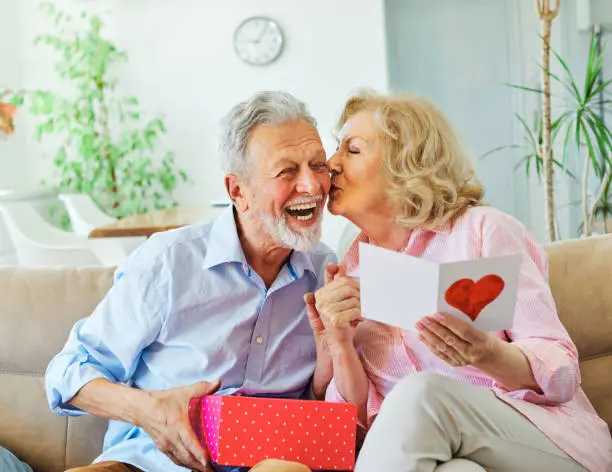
261	35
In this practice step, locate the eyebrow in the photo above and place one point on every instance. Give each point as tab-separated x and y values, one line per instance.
350	138
284	161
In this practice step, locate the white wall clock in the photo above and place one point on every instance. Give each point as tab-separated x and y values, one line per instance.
258	40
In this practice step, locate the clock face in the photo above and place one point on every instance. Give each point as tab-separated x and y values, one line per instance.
258	40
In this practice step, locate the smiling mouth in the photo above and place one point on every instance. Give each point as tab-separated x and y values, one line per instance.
303	211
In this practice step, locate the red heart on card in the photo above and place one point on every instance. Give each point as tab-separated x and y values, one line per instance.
472	297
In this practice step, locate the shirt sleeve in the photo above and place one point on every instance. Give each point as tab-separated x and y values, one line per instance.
109	343
374	402
537	330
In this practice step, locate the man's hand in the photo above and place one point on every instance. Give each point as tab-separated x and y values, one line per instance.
167	422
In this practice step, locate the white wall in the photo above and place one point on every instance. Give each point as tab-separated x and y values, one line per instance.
460	55
602	12
13	167
182	63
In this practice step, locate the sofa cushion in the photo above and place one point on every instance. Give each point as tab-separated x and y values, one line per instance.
38	307
580	276
37	310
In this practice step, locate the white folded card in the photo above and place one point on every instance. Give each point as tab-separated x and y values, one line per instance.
398	289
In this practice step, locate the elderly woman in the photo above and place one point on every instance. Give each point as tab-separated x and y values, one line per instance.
445	396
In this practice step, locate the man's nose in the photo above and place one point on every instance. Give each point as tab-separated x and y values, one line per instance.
308	183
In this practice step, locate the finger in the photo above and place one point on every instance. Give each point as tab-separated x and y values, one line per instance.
439	347
442	355
341	271
193	447
349	307
446	335
309	298
337	292
314	318
461	328
330	272
344	319
186	459
311	309
204	388
172	457
340	280
330	288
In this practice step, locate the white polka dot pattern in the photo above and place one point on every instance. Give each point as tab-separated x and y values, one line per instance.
242	431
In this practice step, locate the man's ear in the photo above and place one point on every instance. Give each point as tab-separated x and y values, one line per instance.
236	190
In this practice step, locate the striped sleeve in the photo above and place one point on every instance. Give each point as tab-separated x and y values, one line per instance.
537	330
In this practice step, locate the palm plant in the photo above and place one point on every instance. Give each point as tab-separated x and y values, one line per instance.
581	130
532	145
584	128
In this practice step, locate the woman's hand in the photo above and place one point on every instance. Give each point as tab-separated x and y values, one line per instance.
338	305
456	342
314	317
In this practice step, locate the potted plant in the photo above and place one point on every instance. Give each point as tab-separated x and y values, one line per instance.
578	130
104	146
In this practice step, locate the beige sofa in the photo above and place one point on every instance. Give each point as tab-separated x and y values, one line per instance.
38	307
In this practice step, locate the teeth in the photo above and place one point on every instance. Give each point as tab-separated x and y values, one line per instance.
304	206
305	218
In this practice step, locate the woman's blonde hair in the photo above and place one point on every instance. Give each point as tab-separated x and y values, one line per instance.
431	178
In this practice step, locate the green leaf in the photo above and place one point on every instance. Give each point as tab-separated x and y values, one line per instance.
526	89
592	154
571	83
17	100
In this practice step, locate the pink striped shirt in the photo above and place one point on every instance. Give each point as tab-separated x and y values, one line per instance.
562	412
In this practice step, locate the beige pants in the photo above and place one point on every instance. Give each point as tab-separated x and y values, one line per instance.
433	423
270	465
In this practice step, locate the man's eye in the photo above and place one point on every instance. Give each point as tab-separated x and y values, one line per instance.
288	170
320	165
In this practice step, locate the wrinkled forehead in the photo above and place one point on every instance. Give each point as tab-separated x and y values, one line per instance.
271	146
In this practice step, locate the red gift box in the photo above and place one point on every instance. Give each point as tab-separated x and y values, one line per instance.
242	431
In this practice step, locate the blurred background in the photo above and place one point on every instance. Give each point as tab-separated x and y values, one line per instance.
182	71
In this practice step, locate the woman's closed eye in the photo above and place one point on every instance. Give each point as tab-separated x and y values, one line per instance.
354	150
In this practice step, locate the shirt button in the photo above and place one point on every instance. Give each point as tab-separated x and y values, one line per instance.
259	340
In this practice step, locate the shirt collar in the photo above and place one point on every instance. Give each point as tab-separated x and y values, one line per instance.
224	246
299	263
223	243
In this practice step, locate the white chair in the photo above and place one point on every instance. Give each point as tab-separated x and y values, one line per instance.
85	215
37	243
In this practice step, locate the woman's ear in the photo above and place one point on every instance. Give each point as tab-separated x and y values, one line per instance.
236	191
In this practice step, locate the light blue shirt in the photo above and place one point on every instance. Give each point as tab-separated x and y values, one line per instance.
187	307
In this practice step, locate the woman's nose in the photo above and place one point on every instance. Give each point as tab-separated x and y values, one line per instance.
334	164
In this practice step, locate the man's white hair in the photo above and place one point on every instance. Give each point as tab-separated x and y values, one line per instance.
275	108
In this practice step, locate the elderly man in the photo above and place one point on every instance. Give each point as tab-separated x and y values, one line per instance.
211	306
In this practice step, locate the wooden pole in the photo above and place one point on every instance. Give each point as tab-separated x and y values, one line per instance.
547	15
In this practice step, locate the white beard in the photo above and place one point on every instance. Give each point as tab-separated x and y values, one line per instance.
303	239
